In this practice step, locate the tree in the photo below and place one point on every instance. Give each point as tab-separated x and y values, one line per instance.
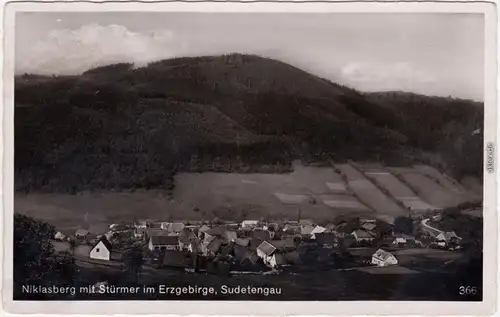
403	225
133	262
34	260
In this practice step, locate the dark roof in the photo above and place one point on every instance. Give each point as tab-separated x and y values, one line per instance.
285	244
293	257
267	248
217	231
362	234
242	242
164	240
175	258
241	253
105	242
325	237
280	259
215	244
156	232
260	234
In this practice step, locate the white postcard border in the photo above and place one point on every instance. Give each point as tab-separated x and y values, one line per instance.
486	307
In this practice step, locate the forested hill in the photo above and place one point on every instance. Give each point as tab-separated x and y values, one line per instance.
119	127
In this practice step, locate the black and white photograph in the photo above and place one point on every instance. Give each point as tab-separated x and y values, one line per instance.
249	156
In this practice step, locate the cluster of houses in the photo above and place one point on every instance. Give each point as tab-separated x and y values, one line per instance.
253	243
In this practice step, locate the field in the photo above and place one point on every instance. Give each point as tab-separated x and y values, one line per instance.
398	190
368	193
318	193
427	188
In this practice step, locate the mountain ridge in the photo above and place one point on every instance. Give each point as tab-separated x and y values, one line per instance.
135	127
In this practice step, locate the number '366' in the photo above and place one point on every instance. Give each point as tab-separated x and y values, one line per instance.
467	290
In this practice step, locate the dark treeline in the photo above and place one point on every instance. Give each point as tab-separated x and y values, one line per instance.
120	127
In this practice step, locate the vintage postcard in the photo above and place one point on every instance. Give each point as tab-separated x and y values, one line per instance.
250	158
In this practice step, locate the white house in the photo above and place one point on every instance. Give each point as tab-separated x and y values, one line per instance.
172	227
250	223
164	243
383	258
403	239
101	250
269	255
59	236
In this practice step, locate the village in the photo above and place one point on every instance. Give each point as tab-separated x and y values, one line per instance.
264	247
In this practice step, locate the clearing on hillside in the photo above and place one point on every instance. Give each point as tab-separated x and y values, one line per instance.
427	188
368	193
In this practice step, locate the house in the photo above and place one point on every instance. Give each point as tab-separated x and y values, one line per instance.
244	242
383	258
258	236
291	229
59	236
212	247
231	236
250	223
317	229
139	232
270	255
178	259
403	239
215	232
362	236
81	233
101	250
327	239
202	230
172	227
188	241
304	222
242	254
447	236
117	227
141	224
266	252
368	226
306	229
283	245
164	243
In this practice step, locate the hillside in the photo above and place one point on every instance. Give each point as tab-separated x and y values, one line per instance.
117	127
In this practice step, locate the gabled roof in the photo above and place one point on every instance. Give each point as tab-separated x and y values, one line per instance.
360	234
164	240
231	235
215	244
250	222
217	231
382	255
325	237
156	232
266	248
285	244
105	242
368	226
318	229
260	234
242	242
81	232
279	259
175	258
306	229
242	253
172	226
204	228
293	257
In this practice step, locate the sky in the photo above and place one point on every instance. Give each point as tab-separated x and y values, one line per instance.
428	53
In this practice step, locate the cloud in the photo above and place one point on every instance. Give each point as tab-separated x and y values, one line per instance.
65	51
385	76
